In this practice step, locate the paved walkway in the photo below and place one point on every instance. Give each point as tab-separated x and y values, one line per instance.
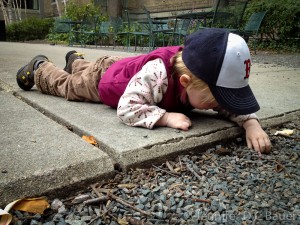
41	149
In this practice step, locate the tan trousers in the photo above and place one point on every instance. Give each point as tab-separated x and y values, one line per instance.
81	85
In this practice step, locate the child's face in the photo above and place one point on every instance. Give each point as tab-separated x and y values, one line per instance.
198	98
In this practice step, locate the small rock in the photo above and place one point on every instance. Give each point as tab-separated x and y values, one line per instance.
33	222
278	185
86	218
143	200
185	216
180	204
214	205
239	139
56	204
52	223
163	198
159	215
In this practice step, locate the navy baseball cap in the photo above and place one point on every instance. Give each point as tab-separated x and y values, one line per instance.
222	59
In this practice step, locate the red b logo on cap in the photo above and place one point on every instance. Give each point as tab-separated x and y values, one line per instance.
247	69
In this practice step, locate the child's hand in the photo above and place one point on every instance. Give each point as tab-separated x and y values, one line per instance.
175	120
256	137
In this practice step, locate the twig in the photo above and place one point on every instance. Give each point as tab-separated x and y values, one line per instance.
151	173
170	167
201	200
96	200
175	185
179	190
156	179
68	199
193	172
134	221
181	168
122	201
93	220
118	199
170	173
93	186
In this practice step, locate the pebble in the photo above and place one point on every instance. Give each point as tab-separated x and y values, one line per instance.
237	188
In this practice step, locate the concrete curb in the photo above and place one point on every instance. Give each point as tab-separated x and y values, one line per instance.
40	156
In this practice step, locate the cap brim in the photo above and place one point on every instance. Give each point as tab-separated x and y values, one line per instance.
240	101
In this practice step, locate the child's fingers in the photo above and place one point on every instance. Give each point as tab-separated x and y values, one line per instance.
268	145
249	144
254	144
265	145
185	125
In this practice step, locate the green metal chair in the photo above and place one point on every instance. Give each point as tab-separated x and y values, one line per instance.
229	14
181	31
140	33
158	29
104	31
63	26
88	31
118	29
126	29
111	29
252	26
153	30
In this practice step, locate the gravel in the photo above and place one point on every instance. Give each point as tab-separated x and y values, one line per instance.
227	184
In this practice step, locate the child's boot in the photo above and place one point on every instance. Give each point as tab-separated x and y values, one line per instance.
25	75
70	58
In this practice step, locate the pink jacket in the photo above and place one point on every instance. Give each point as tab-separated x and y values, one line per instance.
114	82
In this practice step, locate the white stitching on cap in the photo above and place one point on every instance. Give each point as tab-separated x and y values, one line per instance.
241	103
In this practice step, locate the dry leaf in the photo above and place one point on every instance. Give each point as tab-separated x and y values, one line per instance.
223	151
177	169
279	168
295	157
89	139
5	217
284	132
170	167
128	186
122	221
32	205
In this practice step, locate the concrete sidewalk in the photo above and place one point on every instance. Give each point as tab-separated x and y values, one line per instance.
41	149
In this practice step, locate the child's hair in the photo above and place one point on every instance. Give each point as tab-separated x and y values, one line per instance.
180	68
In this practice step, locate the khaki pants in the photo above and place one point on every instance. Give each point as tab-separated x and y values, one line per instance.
81	85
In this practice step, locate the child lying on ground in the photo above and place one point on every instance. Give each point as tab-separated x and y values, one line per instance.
211	71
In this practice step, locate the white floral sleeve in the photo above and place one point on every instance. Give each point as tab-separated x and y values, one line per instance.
137	106
239	119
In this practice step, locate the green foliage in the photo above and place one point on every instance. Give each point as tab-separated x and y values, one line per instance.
84	13
57	37
81	12
32	28
281	26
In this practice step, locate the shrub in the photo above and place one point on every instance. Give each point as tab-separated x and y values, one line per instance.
84	12
280	28
80	12
32	28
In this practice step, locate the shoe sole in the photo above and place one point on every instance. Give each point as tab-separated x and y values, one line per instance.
29	83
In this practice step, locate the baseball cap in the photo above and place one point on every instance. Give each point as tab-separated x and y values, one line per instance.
222	59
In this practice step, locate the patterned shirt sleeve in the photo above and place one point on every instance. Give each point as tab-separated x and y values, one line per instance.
239	119
137	106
